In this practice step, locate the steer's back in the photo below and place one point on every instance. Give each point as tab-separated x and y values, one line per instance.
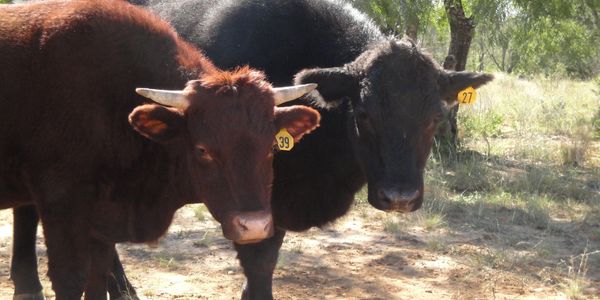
68	71
17	47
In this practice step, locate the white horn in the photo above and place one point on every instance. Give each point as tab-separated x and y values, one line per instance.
289	93
175	99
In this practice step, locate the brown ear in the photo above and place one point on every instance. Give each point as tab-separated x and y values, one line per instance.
158	123
451	83
297	119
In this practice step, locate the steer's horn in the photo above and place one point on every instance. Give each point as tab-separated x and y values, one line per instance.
289	93
175	99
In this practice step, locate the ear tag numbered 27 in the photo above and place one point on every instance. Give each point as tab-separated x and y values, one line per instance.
284	140
467	96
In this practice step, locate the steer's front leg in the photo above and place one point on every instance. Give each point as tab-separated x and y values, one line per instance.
64	207
101	263
119	286
67	241
23	266
258	261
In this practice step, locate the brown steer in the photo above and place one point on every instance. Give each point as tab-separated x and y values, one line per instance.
68	75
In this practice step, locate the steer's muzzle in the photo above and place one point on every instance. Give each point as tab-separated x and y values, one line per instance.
391	199
249	227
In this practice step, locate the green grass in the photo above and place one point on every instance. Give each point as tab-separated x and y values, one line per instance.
392	225
200	212
433	221
533	107
204	241
168	263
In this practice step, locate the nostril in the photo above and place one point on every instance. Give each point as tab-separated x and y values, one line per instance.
410	197
388	198
242	224
382	195
395	197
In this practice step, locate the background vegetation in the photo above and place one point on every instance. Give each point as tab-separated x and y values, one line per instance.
526	37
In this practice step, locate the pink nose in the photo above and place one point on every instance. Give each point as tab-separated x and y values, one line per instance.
249	227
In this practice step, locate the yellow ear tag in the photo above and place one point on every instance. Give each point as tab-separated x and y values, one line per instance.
467	96
284	140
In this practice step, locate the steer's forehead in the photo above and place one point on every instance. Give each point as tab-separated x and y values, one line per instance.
231	105
234	113
400	79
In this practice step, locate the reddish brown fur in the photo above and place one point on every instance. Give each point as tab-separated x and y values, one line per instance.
239	77
68	71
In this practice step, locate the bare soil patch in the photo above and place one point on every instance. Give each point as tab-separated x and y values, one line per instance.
356	258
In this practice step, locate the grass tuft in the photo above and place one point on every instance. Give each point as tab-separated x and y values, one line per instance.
200	212
576	283
433	221
392	225
575	151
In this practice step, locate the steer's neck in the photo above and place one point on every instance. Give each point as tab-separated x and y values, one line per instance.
139	205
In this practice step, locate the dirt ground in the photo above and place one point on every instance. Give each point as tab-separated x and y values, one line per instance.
355	258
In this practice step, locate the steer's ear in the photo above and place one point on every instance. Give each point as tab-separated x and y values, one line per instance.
451	83
335	84
297	119
158	123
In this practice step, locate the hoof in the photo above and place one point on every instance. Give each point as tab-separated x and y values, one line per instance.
245	295
36	296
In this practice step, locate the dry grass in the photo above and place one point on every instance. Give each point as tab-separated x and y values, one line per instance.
523	188
526	173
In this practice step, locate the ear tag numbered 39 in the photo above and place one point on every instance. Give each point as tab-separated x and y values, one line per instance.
284	140
467	96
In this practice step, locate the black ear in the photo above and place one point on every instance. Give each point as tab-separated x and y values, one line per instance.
335	84
158	123
451	83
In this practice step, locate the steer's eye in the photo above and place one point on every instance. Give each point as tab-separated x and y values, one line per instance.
201	153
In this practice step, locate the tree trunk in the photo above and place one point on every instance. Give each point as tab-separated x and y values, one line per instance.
461	35
461	32
594	11
410	16
411	31
503	59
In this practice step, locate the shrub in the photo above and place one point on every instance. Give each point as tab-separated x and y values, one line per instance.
484	124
